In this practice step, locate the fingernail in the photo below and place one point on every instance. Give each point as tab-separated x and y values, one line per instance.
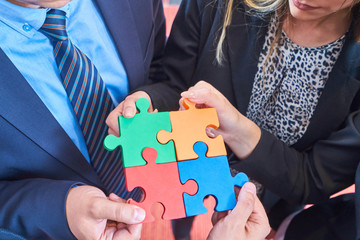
192	95
249	187
210	132
188	94
139	214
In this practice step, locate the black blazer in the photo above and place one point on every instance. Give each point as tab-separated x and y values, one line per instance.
38	161
190	57
335	162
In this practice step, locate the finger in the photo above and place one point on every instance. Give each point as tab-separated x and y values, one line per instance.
245	204
103	208
211	132
259	208
116	198
129	108
205	93
182	108
112	120
259	215
208	96
130	232
113	132
108	233
135	230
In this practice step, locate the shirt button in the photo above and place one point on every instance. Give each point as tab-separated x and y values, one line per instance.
27	27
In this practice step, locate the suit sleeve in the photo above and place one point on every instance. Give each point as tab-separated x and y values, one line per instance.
180	58
44	220
310	176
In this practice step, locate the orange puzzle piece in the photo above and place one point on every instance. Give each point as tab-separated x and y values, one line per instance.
189	127
161	183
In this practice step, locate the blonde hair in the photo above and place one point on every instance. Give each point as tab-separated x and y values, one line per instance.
264	7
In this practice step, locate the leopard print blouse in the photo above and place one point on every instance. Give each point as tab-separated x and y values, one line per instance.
285	94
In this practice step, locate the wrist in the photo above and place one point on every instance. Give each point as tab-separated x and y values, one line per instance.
244	137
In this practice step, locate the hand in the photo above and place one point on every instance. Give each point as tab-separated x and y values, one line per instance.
40	3
91	215
240	133
127	108
247	220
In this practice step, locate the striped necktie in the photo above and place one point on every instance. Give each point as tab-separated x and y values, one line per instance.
90	100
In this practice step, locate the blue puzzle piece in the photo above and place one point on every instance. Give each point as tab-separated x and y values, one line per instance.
213	178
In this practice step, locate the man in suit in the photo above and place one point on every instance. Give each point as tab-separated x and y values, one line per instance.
51	185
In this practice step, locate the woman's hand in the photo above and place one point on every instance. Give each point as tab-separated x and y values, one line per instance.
240	133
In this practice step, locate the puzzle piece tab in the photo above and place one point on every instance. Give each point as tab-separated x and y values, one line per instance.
188	127
139	132
161	183
213	178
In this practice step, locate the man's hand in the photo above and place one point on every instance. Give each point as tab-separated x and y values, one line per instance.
127	108
247	220
91	215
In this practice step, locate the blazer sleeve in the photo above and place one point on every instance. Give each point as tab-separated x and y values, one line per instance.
180	58
310	176
44	220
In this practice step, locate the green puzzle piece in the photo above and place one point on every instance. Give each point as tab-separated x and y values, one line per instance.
138	133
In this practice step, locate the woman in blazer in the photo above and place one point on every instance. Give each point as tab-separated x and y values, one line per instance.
299	92
331	165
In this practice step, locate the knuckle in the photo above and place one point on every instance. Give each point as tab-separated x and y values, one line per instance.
201	83
108	120
93	208
119	214
124	213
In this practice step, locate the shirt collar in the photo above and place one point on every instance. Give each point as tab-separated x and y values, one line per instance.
26	21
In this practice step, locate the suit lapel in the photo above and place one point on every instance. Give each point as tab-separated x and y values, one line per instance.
119	20
23	109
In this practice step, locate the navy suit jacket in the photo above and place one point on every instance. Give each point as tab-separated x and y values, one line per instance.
38	161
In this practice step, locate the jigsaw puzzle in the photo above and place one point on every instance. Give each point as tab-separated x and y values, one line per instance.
175	163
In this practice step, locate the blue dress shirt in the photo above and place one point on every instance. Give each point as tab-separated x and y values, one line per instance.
32	54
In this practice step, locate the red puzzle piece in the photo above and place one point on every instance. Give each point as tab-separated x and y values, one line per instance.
161	183
188	127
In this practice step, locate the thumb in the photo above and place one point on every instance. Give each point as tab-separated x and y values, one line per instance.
118	211
245	204
212	132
